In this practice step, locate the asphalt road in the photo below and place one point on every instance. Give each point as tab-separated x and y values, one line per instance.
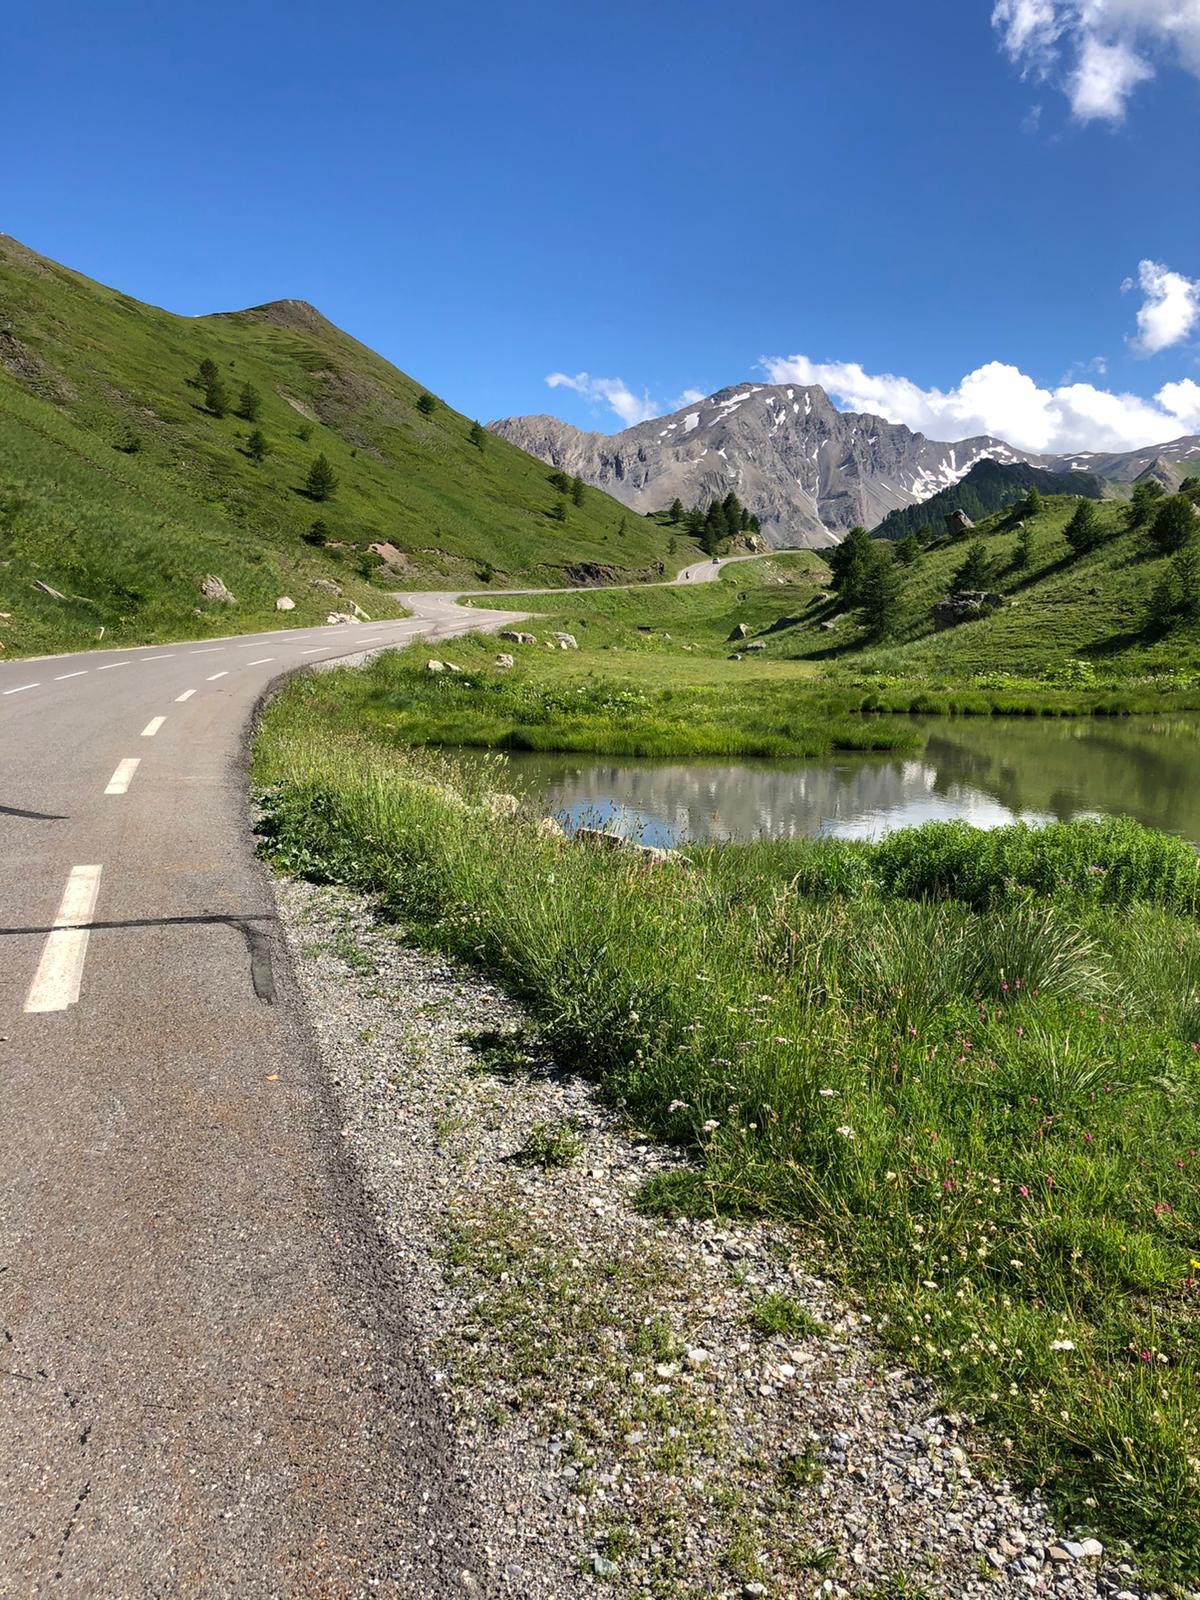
205	1369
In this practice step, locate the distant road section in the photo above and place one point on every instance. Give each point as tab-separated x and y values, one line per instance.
208	1387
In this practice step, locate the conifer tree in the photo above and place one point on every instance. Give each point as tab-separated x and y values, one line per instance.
879	595
206	373
1084	532
477	435
426	405
577	491
1174	524
1143	502
976	570
249	406
257	447
559	509
848	562
216	398
1024	550
322	481
908	550
1031	504
675	514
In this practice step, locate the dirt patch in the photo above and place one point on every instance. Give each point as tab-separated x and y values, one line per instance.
28	368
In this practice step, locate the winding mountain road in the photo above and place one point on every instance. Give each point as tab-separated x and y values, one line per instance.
205	1370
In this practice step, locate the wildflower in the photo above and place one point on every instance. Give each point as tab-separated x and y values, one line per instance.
827	1094
677	1105
846	1131
779	1039
1087	1138
1144	1355
1020	1033
710	1126
1062	1344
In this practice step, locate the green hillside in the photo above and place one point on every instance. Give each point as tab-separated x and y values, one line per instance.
121	488
1075	618
989	486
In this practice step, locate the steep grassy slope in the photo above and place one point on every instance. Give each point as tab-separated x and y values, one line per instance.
121	489
1067	618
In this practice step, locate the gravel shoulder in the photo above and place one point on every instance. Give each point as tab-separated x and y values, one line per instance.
640	1406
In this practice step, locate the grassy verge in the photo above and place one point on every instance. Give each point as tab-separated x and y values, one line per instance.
566	700
989	1104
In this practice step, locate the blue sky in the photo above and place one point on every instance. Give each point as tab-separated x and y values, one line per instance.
652	199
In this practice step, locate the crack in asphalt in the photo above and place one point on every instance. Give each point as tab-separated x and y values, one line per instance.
258	943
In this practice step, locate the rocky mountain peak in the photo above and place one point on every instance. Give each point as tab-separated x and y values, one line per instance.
807	470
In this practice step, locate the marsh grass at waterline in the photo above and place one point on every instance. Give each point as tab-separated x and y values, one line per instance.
969	1062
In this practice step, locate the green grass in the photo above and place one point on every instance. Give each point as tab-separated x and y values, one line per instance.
555	700
1071	624
988	1106
128	535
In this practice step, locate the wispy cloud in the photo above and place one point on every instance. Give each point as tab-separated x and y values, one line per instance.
1170	308
1098	51
689	397
612	392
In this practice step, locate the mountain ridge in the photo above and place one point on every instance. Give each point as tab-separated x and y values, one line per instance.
808	471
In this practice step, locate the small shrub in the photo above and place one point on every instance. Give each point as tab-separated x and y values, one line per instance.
551	1144
780	1314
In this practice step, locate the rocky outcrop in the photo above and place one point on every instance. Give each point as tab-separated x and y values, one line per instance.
212	588
965	606
515	636
285	603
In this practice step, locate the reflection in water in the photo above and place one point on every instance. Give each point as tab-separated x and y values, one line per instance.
986	771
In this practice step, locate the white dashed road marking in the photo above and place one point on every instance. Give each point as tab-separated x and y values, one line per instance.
21	688
186	695
56	983
152	727
63	676
261	662
217	675
123	776
212	650
171	657
317	650
109	665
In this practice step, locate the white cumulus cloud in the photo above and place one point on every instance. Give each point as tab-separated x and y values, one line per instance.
688	397
612	392
1170	309
1002	400
1099	50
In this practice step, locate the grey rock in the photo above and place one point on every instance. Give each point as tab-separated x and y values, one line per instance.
738	632
504	660
565	641
285	603
212	588
965	606
326	585
435	666
515	636
755	644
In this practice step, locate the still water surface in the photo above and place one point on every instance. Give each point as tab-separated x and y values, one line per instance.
987	771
